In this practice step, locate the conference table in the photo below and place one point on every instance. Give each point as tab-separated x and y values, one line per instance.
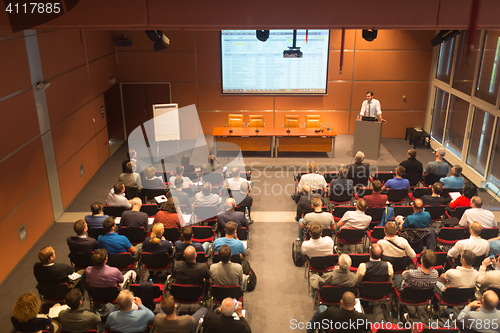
275	140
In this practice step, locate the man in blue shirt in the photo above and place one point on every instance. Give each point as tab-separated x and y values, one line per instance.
230	239
114	243
454	181
128	320
419	218
97	218
398	182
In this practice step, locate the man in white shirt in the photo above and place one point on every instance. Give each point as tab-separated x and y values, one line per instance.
477	214
316	181
485	318
460	277
488	279
393	245
317	246
234	184
116	197
475	243
325	219
355	219
371	108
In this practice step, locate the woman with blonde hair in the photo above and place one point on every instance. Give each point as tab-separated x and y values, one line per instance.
156	243
25	317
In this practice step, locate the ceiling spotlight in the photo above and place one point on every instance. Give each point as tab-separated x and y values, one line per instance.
369	34
443	36
160	41
262	35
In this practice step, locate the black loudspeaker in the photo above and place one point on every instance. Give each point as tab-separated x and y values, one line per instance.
157	38
370	35
262	35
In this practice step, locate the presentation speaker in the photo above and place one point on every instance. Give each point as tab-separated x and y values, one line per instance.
371	108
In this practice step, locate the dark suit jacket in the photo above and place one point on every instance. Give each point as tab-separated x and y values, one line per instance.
342	315
218	323
231	216
56	273
359	173
81	245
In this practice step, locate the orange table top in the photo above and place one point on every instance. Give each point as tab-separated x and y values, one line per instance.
266	131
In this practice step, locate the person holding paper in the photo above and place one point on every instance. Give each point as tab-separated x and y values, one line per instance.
25	316
224	321
371	108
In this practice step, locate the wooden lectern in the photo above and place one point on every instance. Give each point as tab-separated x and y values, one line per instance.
367	136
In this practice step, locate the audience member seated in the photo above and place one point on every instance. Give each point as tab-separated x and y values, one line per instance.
47	271
234	183
76	319
95	220
375	270
376	200
101	275
189	271
359	170
494	245
438	168
345	316
488	279
398	182
435	199
131	157
182	197
470	190
116	196
304	203
134	217
479	320
341	185
168	216
237	246
393	245
223	320
179	173
186	163
356	219
206	198
460	277
475	243
231	215
341	276
168	321
317	246
128	320
151	180
156	243
81	243
419	218
213	164
412	165
187	235
315	181
114	243
325	219
242	197
26	319
478	214
422	278
225	272
130	177
454	181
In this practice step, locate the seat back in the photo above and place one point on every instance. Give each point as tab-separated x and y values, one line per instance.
403	210
342	197
135	235
204	213
291	121
242	233
377	234
150	209
357	259
53	292
323	263
157	291
313	121
329	176
430	179
151	193
414	179
155	260
215	178
219	293
332	295
172	234
235	120
184	293
410	295
375	213
436	212
351	235
383	176
103	295
256	120
81	260
451	234
202	234
132	192
397	196
459	211
339	211
163	175
122	261
362	191
419	192
113	211
95	233
488	233
375	290
399	264
457	296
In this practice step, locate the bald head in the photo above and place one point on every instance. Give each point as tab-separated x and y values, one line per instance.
376	251
190	254
228	306
348	300
230	203
418	204
490	300
306	188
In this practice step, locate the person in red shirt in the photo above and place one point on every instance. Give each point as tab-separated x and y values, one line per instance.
376	200
470	190
168	215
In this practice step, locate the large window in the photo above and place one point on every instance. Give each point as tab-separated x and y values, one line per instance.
482	130
465	67
443	72
495	161
489	70
456	124
439	114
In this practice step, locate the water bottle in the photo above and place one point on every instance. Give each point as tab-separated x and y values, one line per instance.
247	214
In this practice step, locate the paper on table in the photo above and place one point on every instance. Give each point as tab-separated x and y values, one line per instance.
161	199
454	195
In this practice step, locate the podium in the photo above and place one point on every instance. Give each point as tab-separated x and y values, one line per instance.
367	136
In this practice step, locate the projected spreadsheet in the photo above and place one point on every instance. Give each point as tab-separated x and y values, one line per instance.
250	66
